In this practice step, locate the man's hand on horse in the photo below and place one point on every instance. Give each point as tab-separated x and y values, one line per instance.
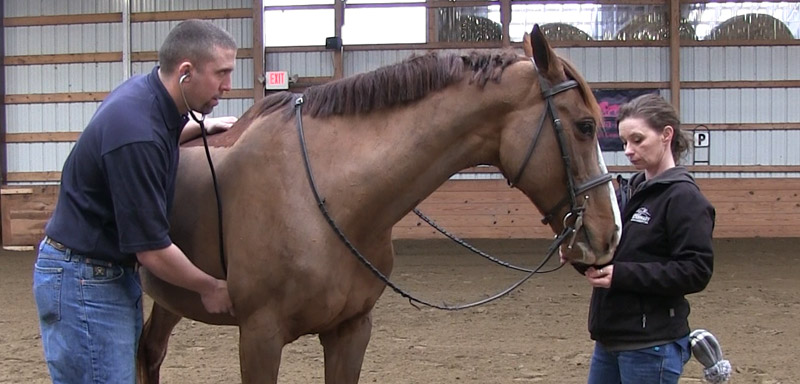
219	124
213	125
217	299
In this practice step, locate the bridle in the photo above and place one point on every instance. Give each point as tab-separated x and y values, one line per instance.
576	208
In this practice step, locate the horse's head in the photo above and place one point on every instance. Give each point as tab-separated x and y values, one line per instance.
549	150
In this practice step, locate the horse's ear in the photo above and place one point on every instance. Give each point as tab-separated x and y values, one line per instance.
544	56
527	46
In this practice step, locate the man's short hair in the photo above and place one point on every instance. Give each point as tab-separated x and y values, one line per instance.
194	41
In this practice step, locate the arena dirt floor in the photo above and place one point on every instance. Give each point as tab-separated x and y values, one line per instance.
537	334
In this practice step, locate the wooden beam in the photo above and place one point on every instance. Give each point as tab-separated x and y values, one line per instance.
741	84
89	18
722	168
34	176
98	57
472	45
243	93
697	84
629	85
234	13
258	49
692	168
391	47
42	137
16	191
451	4
305	7
743	126
138	57
82	97
241	53
738	43
64	58
72	97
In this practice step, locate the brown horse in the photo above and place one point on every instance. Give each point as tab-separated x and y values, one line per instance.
378	143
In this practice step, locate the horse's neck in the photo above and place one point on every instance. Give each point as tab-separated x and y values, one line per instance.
405	160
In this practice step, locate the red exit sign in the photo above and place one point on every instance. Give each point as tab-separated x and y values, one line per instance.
277	80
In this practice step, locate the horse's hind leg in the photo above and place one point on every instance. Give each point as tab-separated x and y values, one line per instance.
153	343
344	349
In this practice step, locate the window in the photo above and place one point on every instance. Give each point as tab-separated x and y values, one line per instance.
384	25
744	21
297	27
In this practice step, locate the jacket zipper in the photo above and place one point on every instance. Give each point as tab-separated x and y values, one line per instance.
644	314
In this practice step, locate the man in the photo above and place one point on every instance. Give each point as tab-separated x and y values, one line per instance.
117	187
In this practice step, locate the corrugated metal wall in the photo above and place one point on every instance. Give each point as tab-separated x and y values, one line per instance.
742	146
775	147
91	38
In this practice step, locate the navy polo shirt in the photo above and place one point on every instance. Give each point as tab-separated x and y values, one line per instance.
118	182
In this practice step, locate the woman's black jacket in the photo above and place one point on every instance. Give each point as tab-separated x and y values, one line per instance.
665	253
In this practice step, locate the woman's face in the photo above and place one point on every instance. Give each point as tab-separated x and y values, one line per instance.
646	148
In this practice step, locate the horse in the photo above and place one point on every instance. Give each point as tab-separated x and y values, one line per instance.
376	144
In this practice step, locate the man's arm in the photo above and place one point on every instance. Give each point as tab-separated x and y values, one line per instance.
172	266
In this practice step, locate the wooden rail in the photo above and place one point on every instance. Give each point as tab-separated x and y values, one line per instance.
489	209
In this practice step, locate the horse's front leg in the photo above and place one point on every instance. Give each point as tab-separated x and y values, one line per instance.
153	343
344	349
260	346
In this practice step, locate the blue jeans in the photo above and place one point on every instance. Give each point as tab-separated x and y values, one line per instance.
90	316
661	364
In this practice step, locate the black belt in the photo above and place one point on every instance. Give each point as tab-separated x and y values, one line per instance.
55	244
74	257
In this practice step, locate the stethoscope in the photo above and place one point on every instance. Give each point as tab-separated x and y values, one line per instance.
201	121
189	109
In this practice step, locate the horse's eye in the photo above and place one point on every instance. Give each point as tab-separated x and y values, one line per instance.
586	127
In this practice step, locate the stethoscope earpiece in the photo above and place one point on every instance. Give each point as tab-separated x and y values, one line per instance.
188	108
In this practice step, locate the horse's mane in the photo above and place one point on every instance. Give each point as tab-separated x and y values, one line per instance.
398	84
403	83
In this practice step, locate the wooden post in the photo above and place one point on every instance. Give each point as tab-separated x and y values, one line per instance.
338	21
433	22
3	145
505	19
258	50
675	54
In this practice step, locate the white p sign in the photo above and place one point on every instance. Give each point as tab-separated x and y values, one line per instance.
701	139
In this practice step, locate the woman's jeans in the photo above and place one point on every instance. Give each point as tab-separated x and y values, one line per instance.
661	364
90	316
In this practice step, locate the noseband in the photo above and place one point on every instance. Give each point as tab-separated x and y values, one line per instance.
576	208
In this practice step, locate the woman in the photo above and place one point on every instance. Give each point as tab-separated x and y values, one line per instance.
638	315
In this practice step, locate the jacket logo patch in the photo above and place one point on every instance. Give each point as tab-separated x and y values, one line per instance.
641	216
